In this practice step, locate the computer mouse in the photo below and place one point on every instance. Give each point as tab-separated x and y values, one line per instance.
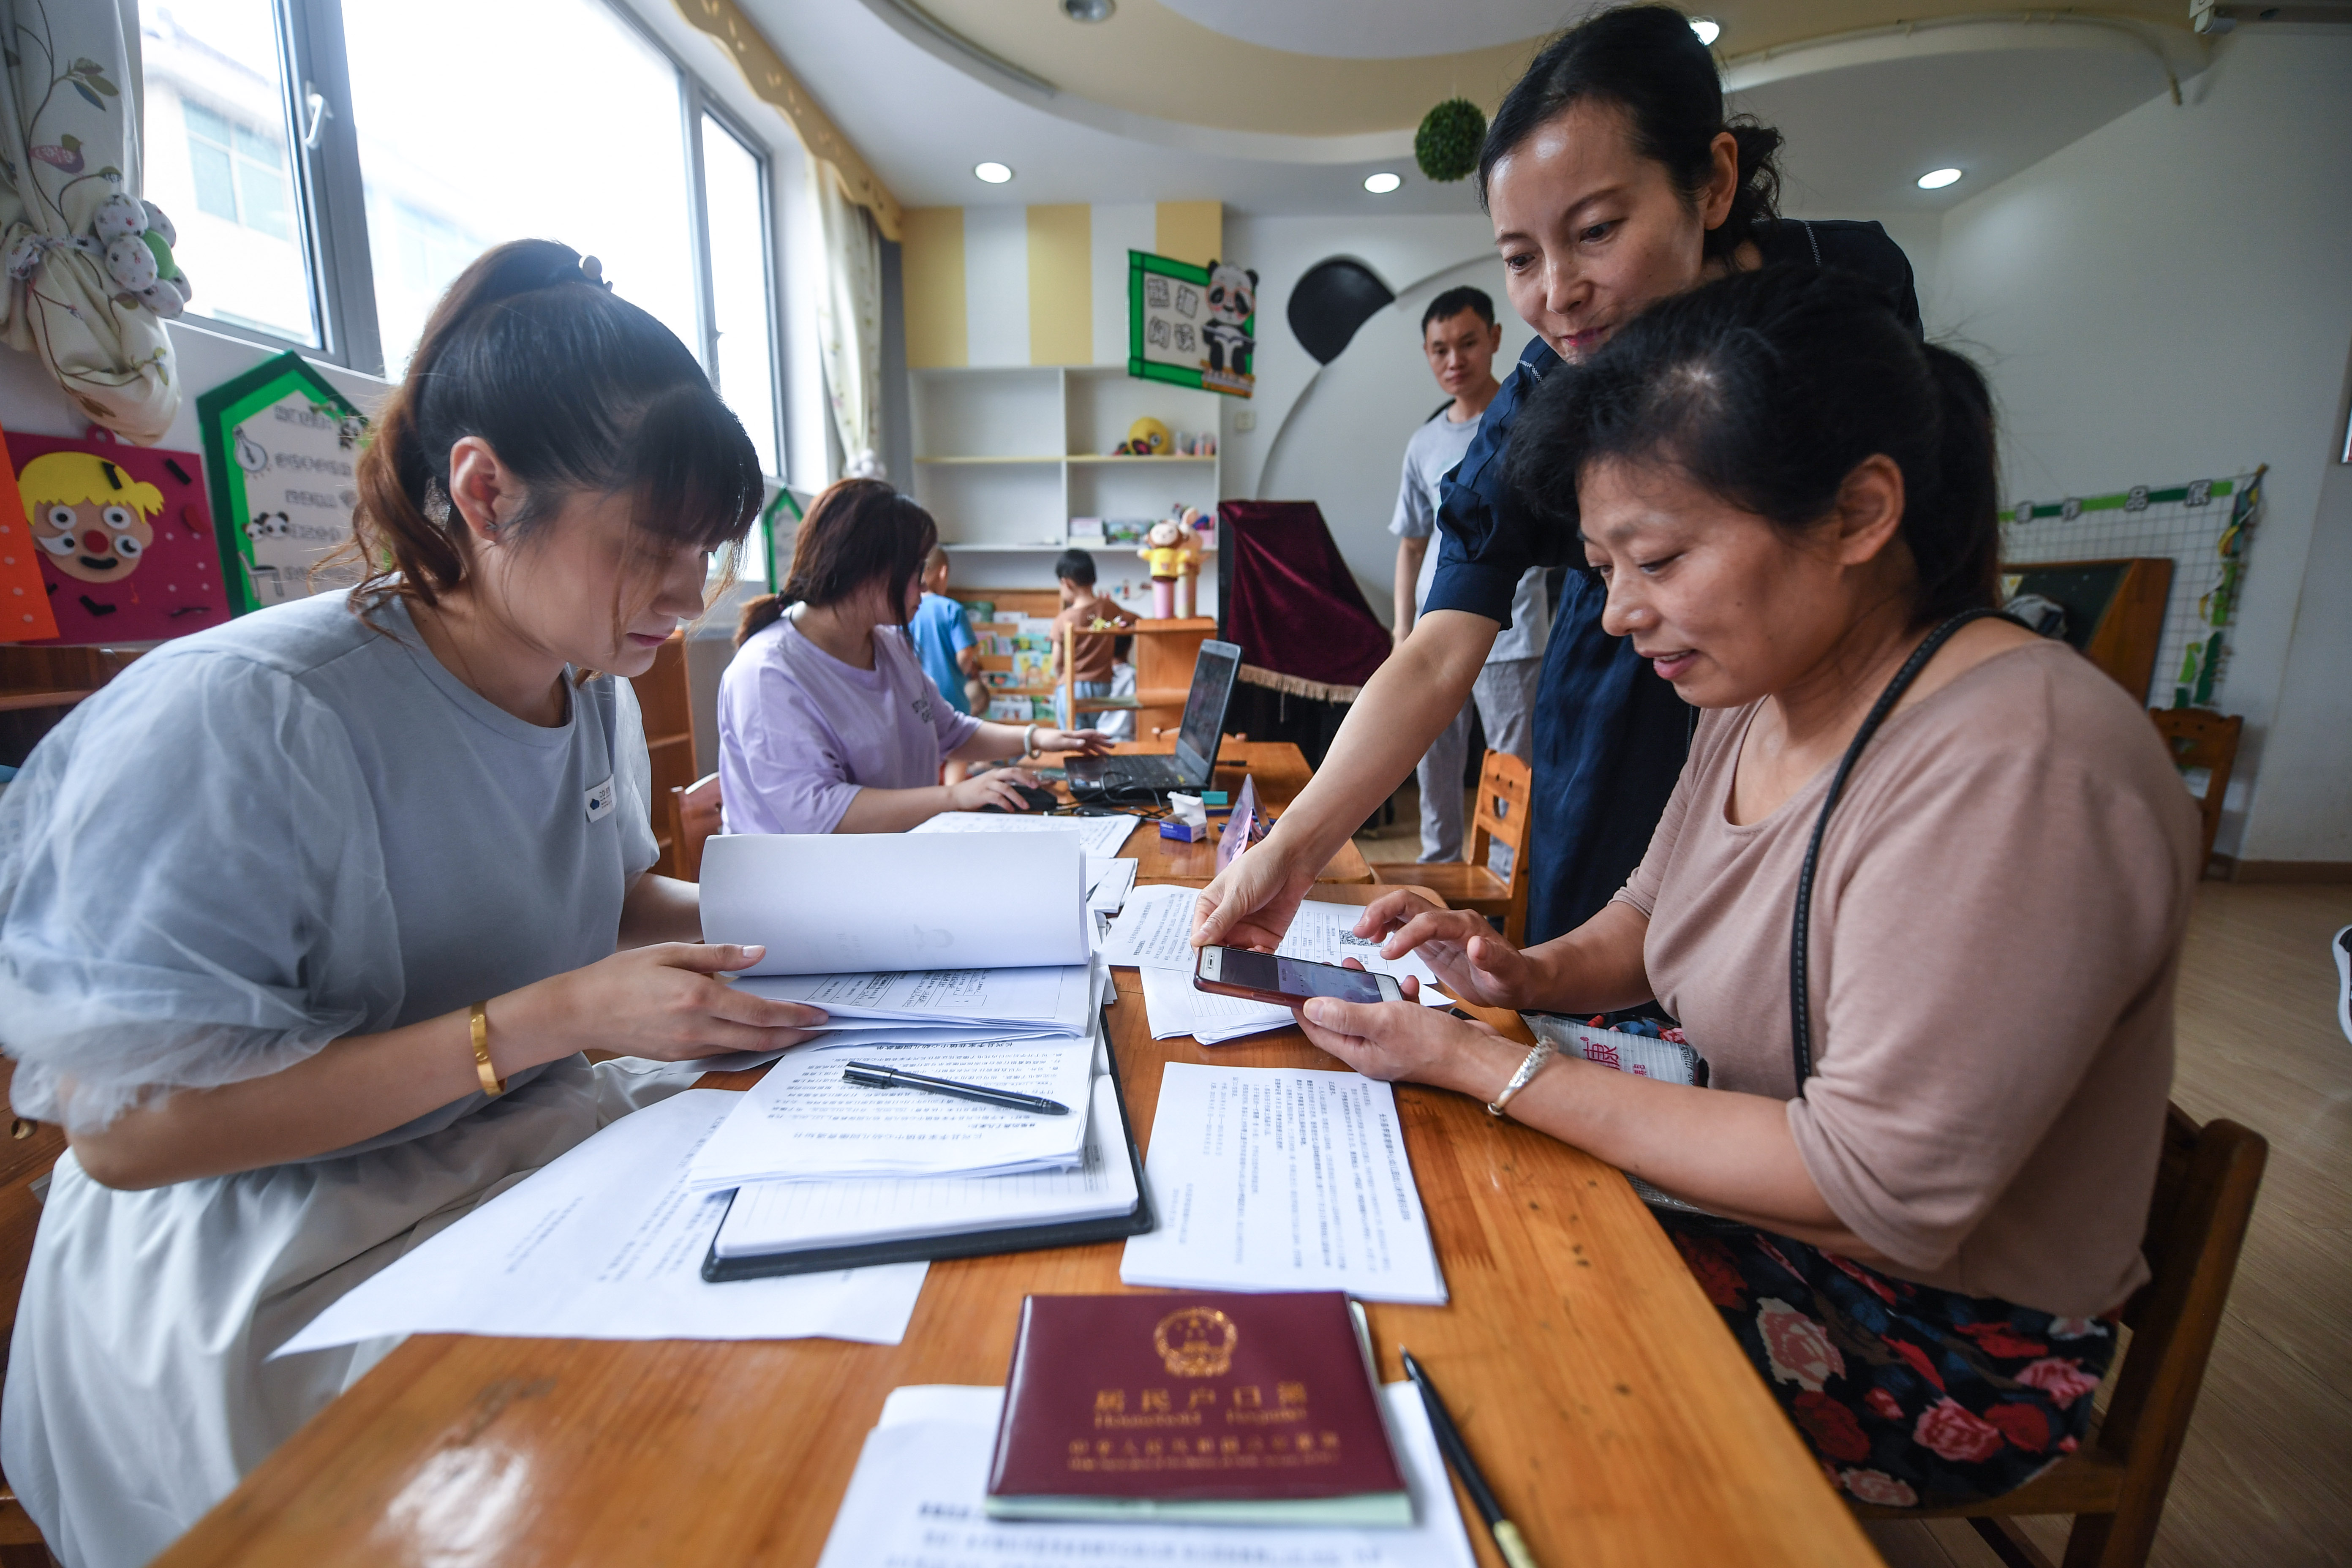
1036	799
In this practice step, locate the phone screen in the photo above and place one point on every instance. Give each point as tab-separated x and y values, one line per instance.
1297	977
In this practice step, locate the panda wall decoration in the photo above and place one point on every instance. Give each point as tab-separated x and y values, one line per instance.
1192	326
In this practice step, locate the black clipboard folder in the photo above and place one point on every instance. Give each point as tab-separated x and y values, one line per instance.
966	1244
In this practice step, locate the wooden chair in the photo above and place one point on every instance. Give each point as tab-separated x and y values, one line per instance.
694	815
1501	815
2200	738
28	1154
2115	1486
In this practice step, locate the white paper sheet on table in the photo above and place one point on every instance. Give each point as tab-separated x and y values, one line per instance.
1282	1179
834	903
1055	997
1103	836
804	1122
1155	931
607	1243
917	1494
1172	1007
1108	883
775	1216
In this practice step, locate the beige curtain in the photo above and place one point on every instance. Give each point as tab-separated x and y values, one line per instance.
69	140
849	322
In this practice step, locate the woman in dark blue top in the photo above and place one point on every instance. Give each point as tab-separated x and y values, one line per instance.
1613	180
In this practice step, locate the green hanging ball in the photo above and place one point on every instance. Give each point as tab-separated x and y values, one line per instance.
1446	145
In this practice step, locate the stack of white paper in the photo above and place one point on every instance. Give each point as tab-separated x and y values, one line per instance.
1174	1008
919	1492
607	1243
778	1216
1108	883
1104	836
1155	931
953	1002
1282	1179
804	1121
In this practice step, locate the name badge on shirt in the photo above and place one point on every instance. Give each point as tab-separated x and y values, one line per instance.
600	801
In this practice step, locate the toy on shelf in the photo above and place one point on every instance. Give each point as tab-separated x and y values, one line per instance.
1147	438
1172	550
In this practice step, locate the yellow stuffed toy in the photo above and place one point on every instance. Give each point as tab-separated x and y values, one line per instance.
1174	553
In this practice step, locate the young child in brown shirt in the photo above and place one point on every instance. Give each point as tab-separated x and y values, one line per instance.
1082	607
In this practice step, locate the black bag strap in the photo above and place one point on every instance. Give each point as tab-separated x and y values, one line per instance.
1800	997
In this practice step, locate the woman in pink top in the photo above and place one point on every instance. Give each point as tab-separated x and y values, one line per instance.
1921	1212
827	723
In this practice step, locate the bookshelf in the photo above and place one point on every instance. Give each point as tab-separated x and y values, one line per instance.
1004	456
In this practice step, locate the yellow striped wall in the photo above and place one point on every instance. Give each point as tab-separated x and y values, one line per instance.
1043	285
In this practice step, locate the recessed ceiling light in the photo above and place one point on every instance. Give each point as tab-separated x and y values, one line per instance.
1936	179
1088	10
1708	28
1381	184
994	173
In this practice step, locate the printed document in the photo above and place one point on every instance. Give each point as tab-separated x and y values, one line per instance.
837	903
607	1243
1155	931
1173	1008
1057	998
921	1479
804	1121
783	1216
1104	836
1282	1179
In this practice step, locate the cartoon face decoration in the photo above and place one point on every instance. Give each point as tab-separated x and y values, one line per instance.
1233	294
97	542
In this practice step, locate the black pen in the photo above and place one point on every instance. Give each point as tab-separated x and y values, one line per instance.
874	1077
1508	1540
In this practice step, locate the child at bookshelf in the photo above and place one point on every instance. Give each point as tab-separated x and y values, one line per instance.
826	722
1082	607
943	639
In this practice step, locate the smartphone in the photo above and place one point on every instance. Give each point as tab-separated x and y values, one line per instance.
1287	982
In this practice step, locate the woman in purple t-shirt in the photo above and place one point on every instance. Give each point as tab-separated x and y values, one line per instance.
827	723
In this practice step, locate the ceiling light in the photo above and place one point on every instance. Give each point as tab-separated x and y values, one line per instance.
1088	10
996	173
1708	28
1936	179
1381	184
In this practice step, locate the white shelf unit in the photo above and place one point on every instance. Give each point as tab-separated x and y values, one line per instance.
1006	457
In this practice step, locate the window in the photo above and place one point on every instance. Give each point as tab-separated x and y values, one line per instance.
212	69
334	217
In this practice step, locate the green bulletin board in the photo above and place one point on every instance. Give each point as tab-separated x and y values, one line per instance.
280	444
1190	325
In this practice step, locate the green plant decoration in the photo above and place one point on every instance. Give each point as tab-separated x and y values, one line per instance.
1446	145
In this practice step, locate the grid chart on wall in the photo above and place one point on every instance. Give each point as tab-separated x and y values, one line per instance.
2203	525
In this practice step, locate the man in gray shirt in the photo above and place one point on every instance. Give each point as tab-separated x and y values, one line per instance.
1460	335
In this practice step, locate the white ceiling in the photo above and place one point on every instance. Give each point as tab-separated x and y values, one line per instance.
1864	115
1374	29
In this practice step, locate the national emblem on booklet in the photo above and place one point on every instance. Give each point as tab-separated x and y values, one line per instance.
1228	1409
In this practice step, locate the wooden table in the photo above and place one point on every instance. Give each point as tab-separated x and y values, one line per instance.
1281	771
1618	1422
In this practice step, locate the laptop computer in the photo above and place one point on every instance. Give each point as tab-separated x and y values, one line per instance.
1196	759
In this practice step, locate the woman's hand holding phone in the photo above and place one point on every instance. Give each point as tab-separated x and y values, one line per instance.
1407	1041
1460	947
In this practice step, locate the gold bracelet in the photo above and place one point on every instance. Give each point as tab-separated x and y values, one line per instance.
492	1084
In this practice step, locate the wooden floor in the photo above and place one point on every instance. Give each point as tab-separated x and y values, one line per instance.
2265	1480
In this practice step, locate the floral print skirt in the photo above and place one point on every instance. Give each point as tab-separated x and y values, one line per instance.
1910	1396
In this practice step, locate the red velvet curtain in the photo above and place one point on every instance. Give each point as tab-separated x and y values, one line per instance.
1291	603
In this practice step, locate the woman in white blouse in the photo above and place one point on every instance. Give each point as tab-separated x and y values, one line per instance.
306	921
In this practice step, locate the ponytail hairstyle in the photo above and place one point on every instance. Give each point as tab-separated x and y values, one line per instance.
1646	60
856	532
576	390
1767	389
